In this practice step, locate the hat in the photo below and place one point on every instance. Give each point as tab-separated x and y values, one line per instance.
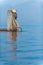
14	11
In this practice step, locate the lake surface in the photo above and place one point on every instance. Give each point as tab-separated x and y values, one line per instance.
22	48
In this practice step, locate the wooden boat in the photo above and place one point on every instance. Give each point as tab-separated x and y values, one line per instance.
5	29
11	30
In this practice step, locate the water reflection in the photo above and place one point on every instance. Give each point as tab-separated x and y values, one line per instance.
12	36
11	47
11	52
8	47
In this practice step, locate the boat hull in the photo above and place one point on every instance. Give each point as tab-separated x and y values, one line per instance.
5	29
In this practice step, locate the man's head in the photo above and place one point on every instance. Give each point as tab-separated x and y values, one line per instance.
14	12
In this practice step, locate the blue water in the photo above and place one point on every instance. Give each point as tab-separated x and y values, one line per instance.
26	47
22	48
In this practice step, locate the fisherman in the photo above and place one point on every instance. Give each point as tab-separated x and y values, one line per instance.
12	17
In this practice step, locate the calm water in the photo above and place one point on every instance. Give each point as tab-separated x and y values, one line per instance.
22	48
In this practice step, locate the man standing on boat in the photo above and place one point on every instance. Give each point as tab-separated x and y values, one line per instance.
12	16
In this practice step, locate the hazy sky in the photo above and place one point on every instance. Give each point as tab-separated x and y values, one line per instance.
27	10
16	1
12	1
